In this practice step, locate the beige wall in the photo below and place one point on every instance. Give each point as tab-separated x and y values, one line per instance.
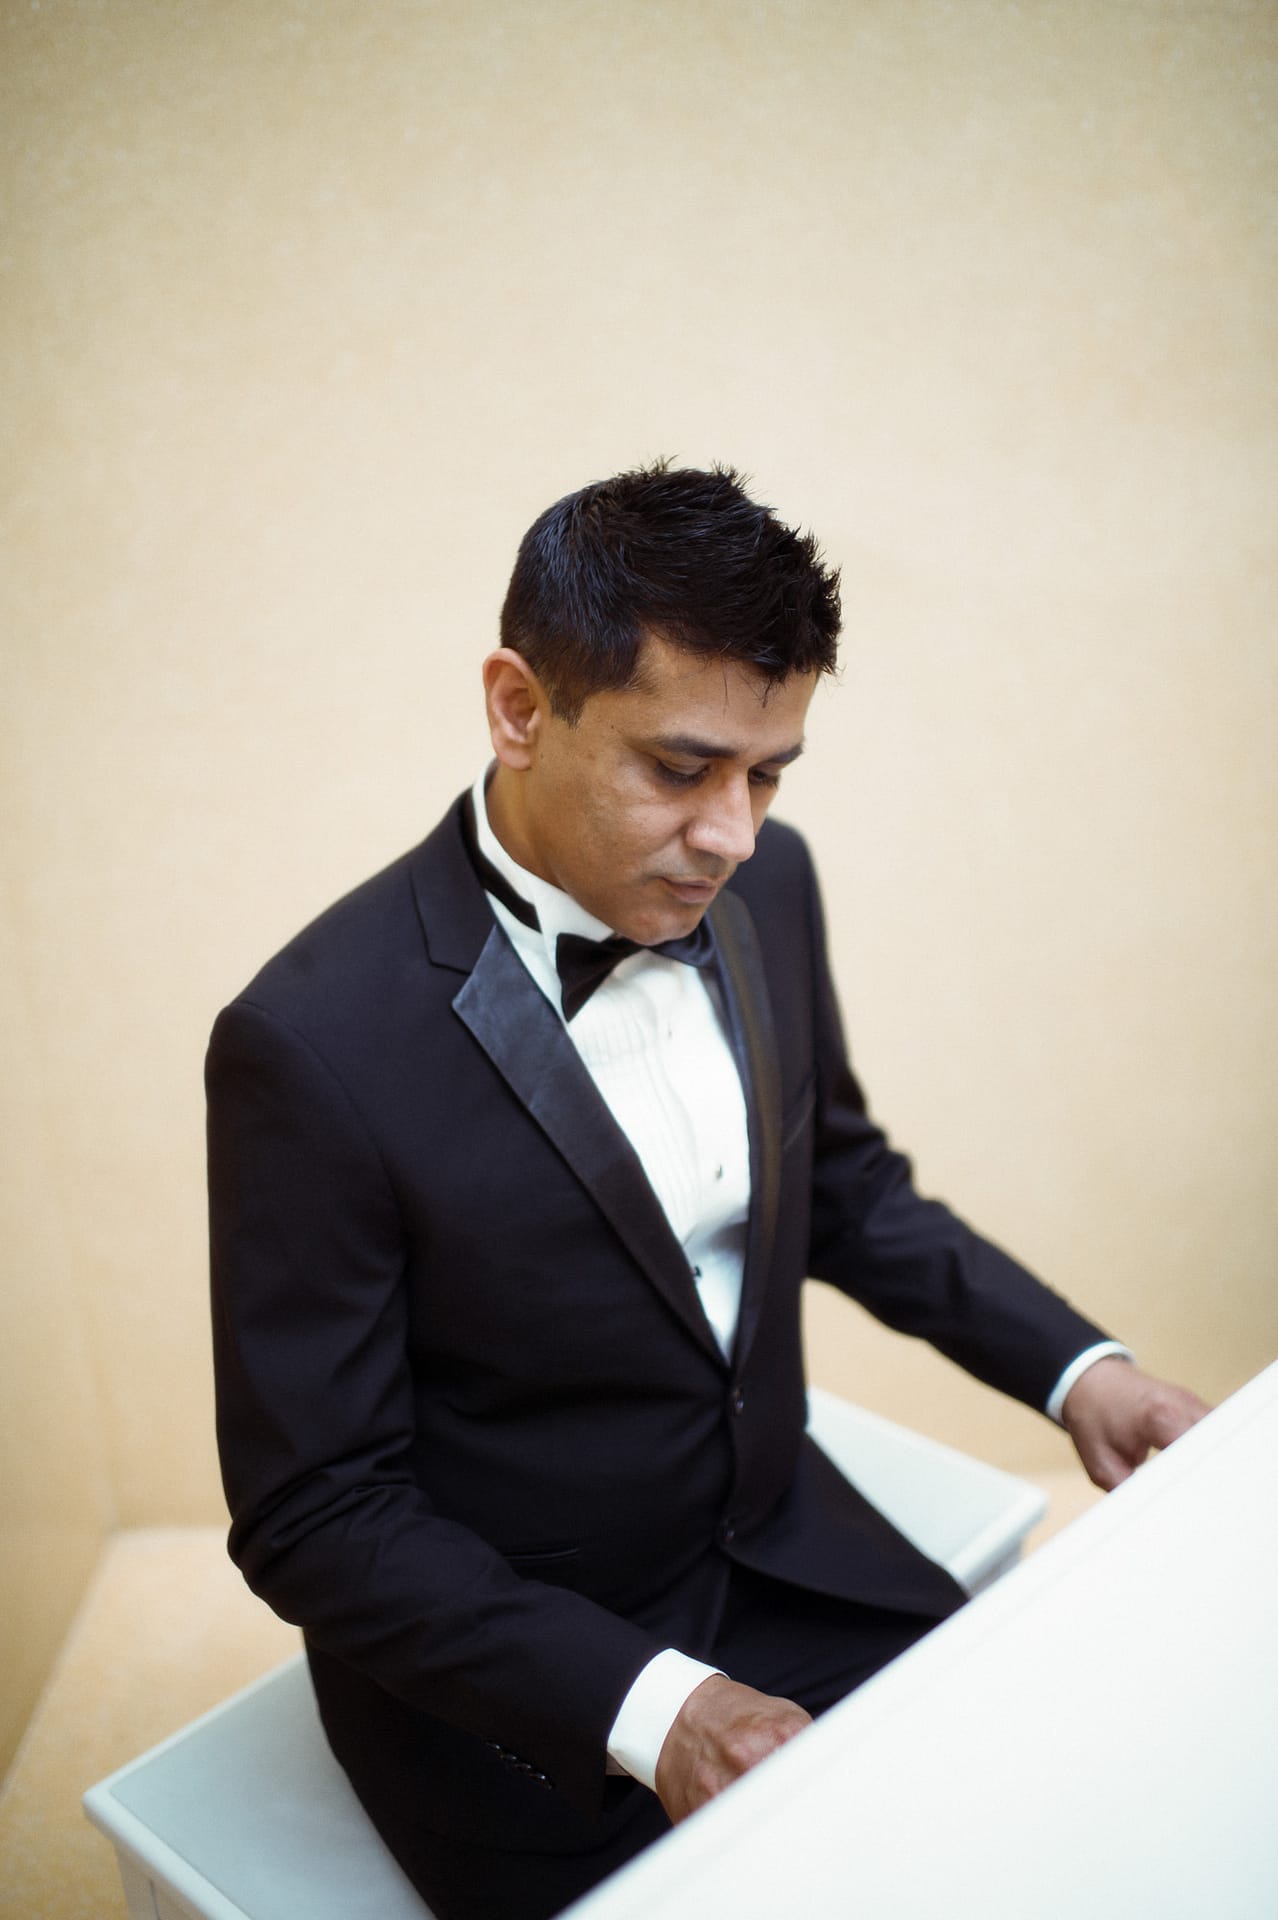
55	1502
309	306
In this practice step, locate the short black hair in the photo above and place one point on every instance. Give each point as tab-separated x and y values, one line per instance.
676	552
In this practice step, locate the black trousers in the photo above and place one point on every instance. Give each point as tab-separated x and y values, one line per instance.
780	1639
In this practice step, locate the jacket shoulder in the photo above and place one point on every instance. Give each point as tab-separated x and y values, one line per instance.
341	942
376	940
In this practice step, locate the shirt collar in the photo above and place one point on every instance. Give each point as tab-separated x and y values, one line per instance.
557	911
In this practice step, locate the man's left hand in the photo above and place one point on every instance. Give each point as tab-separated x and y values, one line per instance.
1114	1414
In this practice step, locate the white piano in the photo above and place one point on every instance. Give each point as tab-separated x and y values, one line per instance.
1094	1738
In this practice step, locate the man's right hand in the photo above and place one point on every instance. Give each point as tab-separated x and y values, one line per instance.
720	1732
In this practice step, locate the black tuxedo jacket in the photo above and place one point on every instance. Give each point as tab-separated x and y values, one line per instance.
477	1436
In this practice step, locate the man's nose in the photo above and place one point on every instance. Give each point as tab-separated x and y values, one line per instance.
724	823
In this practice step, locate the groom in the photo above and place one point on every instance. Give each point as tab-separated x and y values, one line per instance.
519	1156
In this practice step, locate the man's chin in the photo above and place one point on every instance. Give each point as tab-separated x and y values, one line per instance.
674	920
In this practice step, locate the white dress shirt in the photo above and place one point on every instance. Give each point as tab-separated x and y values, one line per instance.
653	1039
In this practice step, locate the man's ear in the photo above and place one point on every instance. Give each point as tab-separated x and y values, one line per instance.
517	708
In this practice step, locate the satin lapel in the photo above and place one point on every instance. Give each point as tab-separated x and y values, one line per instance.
516	1026
754	1042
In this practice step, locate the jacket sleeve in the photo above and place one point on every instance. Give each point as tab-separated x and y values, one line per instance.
315	1426
911	1261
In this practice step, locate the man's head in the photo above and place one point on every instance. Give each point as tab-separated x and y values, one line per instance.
662	638
675	552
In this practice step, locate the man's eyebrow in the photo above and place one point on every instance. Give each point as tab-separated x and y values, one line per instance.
691	748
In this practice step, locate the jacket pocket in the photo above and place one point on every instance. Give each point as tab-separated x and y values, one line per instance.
554	1565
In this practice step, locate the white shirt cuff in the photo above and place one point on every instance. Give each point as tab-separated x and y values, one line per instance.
649	1711
1075	1371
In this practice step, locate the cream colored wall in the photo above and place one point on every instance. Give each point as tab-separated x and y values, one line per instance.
55	1503
309	307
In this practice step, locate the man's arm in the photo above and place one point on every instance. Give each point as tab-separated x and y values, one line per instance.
316	1424
922	1270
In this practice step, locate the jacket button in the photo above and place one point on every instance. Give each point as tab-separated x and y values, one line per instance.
738	1401
727	1533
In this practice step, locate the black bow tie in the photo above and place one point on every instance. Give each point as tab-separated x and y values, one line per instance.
583	964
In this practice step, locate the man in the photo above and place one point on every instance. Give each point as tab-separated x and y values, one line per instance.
518	1158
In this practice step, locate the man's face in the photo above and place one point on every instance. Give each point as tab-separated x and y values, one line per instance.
644	808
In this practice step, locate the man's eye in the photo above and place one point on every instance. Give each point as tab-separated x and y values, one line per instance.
762	777
676	777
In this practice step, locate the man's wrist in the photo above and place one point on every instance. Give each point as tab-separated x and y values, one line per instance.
1103	1350
649	1711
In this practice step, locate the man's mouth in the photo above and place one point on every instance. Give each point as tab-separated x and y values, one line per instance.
694	893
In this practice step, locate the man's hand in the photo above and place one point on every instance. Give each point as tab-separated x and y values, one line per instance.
720	1732
1114	1414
